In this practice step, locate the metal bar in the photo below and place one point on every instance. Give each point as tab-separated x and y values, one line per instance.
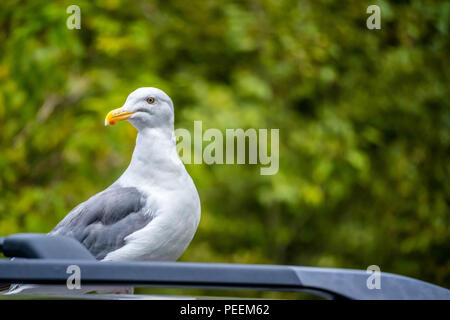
335	283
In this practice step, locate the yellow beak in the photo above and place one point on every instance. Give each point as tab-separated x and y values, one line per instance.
117	115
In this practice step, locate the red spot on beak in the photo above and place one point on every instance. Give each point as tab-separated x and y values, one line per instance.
112	122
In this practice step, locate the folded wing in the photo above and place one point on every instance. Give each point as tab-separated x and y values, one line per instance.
103	222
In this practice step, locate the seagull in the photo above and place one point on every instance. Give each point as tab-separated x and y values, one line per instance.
152	211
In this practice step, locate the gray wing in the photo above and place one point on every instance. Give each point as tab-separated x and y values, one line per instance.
102	222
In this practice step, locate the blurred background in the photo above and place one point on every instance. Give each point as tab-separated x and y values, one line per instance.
364	122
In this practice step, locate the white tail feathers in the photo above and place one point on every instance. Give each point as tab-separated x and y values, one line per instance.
61	290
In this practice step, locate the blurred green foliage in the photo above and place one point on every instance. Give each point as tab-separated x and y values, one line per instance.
364	121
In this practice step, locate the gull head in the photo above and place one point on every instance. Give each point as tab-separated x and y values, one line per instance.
145	108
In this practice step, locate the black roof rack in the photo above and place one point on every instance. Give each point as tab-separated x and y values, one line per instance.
43	259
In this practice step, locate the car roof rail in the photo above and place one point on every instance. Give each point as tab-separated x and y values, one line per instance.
38	266
43	246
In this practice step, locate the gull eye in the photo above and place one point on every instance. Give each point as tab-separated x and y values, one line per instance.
150	100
